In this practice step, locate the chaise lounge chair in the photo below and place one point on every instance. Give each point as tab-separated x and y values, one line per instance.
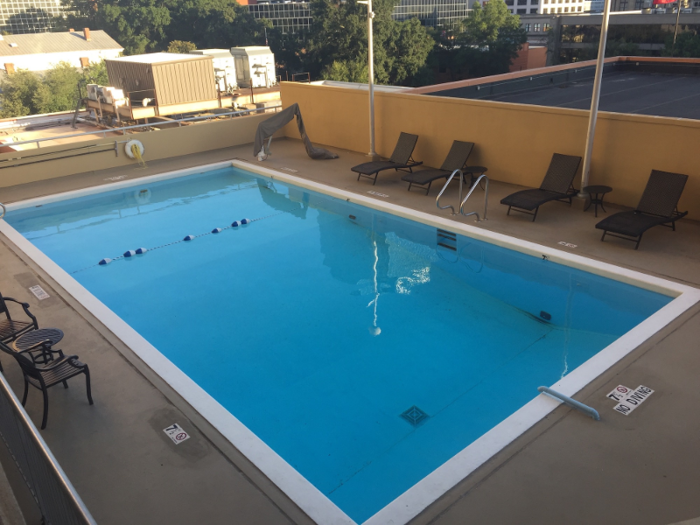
657	207
400	159
556	186
456	160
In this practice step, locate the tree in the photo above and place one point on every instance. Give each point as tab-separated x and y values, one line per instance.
213	23
337	43
491	39
181	46
96	74
138	25
58	89
17	93
687	45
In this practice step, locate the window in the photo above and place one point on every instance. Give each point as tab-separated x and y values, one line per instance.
566	9
558	9
580	8
522	2
534	2
522	11
538	28
546	27
509	2
546	11
533	11
623	5
527	27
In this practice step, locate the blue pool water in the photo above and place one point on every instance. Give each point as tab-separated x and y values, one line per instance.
322	322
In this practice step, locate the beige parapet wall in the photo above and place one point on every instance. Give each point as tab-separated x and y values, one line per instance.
160	144
515	141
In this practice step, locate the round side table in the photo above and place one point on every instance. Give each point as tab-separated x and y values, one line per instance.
26	341
596	194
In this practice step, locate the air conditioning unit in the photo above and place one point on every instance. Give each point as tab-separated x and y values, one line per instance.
92	91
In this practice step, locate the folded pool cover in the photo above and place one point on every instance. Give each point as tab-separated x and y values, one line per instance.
267	128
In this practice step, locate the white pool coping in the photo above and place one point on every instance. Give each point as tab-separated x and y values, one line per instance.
429	489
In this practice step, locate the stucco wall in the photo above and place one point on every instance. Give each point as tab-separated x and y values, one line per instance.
160	144
514	141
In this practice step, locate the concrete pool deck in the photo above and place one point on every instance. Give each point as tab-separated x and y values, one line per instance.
567	469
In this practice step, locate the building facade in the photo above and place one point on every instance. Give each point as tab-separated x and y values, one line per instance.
291	17
29	16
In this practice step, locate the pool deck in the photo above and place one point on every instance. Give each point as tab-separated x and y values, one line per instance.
640	469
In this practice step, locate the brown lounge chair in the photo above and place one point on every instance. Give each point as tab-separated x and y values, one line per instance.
657	207
456	160
401	159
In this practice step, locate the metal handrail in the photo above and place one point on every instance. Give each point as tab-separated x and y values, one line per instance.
486	198
4	210
139	126
571	402
51	489
437	199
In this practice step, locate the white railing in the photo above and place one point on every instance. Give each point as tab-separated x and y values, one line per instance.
124	129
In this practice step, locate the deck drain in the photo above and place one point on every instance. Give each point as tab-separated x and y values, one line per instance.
415	416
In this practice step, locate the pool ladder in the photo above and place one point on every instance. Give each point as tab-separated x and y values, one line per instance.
4	210
463	202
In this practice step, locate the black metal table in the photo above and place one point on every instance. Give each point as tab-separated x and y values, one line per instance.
26	341
596	194
474	173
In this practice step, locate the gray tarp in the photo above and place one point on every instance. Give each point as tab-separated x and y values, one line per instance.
268	127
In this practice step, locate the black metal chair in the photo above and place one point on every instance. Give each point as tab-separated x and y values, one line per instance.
558	185
11	329
657	207
45	376
401	159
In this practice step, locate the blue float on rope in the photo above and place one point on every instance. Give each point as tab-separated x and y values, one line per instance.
234	224
189	238
245	221
141	251
129	253
105	261
217	230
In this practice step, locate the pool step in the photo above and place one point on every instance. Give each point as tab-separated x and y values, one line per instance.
447	239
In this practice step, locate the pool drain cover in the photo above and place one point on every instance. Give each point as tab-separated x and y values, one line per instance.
415	416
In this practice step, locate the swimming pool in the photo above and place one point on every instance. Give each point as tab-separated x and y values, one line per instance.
359	346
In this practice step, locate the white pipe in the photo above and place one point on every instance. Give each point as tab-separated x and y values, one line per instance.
595	98
370	66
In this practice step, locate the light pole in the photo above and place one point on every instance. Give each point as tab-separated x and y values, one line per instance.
370	66
595	98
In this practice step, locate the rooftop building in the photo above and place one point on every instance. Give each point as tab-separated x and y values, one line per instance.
42	51
29	16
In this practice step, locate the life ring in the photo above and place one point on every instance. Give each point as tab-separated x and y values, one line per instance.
128	149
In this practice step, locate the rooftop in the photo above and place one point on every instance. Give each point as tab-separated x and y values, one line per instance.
159	58
205	480
33	43
642	88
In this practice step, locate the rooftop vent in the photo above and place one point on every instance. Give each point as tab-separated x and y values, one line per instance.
86	32
14	45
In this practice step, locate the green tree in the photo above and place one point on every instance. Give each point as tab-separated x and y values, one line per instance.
58	89
214	23
336	48
181	46
17	93
96	74
687	45
491	39
138	25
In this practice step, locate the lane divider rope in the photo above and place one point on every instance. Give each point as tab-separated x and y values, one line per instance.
140	251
